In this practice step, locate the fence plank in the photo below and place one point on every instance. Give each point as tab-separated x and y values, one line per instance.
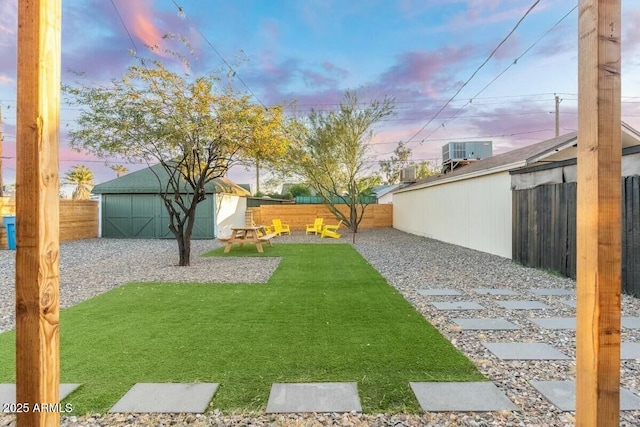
298	216
544	230
78	219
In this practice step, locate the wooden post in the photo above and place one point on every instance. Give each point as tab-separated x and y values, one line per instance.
599	214
37	196
1	142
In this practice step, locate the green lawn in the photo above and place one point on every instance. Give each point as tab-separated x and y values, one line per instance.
325	315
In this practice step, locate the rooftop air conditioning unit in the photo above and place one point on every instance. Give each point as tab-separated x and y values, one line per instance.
408	174
470	150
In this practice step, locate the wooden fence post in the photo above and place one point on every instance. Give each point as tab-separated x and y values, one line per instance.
599	214
37	195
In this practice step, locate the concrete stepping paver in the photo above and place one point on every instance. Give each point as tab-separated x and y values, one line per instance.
570	302
438	292
556	322
461	396
457	305
552	291
562	394
524	351
8	392
523	305
492	291
631	322
486	324
167	398
629	350
313	397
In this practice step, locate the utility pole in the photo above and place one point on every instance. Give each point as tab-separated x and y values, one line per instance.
558	100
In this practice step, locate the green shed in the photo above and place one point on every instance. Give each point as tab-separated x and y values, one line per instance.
131	208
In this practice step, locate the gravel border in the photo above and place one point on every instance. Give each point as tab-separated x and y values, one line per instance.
409	263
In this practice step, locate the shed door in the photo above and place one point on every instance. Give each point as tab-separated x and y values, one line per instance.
205	221
143	216
129	216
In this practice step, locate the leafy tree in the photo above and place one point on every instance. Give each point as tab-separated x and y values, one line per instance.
399	160
82	177
424	169
334	158
192	127
299	190
271	142
119	170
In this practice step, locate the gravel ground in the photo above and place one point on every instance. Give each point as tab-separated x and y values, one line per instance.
409	263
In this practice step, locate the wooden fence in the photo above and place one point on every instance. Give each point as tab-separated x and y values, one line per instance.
78	219
297	216
544	230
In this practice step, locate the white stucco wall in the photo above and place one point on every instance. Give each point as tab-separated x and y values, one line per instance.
474	213
229	213
386	199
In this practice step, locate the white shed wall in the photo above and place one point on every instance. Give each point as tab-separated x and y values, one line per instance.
474	213
230	213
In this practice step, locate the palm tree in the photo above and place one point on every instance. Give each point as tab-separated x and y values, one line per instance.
82	177
120	170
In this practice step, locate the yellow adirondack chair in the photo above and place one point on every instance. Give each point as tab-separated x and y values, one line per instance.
316	227
263	229
331	231
279	228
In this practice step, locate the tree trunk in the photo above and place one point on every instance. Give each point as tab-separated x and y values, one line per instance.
257	175
184	237
184	248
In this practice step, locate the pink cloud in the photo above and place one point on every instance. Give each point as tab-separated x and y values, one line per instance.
4	79
8	18
314	79
139	17
332	68
482	12
631	31
428	71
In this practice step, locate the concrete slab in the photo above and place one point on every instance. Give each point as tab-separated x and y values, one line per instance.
524	351
8	392
556	322
457	305
472	396
491	291
438	292
167	398
630	350
562	394
570	303
523	305
631	322
485	324
552	291
313	397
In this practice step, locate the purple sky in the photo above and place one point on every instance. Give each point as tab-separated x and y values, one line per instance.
419	52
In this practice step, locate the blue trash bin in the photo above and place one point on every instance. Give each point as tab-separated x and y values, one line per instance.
10	224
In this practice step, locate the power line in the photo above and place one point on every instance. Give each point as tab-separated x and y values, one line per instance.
515	61
476	71
233	72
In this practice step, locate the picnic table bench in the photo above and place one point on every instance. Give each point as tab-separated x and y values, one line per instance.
247	234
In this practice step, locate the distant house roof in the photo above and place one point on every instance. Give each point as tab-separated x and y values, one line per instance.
551	150
381	190
151	179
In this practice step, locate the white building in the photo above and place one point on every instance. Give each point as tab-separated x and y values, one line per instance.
472	206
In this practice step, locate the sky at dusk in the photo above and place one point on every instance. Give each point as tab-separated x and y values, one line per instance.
427	55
